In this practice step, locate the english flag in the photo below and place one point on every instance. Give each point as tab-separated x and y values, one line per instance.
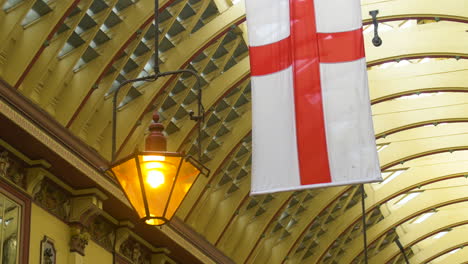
312	124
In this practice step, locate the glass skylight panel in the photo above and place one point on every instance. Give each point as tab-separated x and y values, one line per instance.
149	66
418	95
78	30
39	9
104	28
9	4
140	75
98	6
385	174
78	65
112	20
368	29
407	198
122	4
386	65
408	23
453	251
392	176
382	28
73	42
425	60
402	63
382	147
423	217
440	234
66	48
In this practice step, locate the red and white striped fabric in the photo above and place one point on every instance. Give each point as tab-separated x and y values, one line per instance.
312	124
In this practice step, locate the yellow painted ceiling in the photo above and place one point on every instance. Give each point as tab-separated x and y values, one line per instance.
68	56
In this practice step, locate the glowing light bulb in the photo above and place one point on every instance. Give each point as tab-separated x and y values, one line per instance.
153	165
155	178
154	158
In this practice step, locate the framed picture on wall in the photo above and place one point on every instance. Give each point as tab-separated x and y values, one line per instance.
48	253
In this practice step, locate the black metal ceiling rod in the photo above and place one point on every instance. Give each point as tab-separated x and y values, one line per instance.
364	226
377	41
199	118
402	250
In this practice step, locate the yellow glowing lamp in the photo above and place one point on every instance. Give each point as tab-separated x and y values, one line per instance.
156	181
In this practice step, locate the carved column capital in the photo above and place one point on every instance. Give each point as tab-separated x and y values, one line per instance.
83	210
79	239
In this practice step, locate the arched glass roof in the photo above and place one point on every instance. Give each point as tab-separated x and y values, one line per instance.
69	56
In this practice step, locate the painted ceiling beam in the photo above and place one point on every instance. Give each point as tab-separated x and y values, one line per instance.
451	241
246	230
450	76
440	221
324	201
11	29
35	39
424	202
394	121
56	91
400	9
443	39
412	178
46	60
400	152
460	256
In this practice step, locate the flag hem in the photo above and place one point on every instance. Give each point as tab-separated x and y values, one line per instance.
315	186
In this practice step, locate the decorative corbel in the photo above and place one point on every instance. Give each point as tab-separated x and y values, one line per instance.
83	210
34	177
122	234
79	239
160	256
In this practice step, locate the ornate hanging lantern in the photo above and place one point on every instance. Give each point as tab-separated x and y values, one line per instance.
156	181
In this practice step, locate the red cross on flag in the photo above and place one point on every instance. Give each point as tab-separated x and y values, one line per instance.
312	124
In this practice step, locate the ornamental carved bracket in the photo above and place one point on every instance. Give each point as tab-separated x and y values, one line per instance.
131	247
84	209
12	169
79	239
161	256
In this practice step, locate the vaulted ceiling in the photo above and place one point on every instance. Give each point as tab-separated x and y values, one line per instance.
68	57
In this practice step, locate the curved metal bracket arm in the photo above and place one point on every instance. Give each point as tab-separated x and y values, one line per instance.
377	41
199	118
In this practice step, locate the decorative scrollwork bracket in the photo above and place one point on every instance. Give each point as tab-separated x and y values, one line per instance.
377	41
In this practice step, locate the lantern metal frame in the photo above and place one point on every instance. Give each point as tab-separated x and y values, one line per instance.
203	171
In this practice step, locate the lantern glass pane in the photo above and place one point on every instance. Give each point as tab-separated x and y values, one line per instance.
187	176
158	176
127	175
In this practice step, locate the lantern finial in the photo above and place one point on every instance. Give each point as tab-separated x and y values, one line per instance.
156	141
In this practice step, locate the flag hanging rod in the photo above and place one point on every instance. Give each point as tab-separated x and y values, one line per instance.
402	250
364	227
377	41
199	118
